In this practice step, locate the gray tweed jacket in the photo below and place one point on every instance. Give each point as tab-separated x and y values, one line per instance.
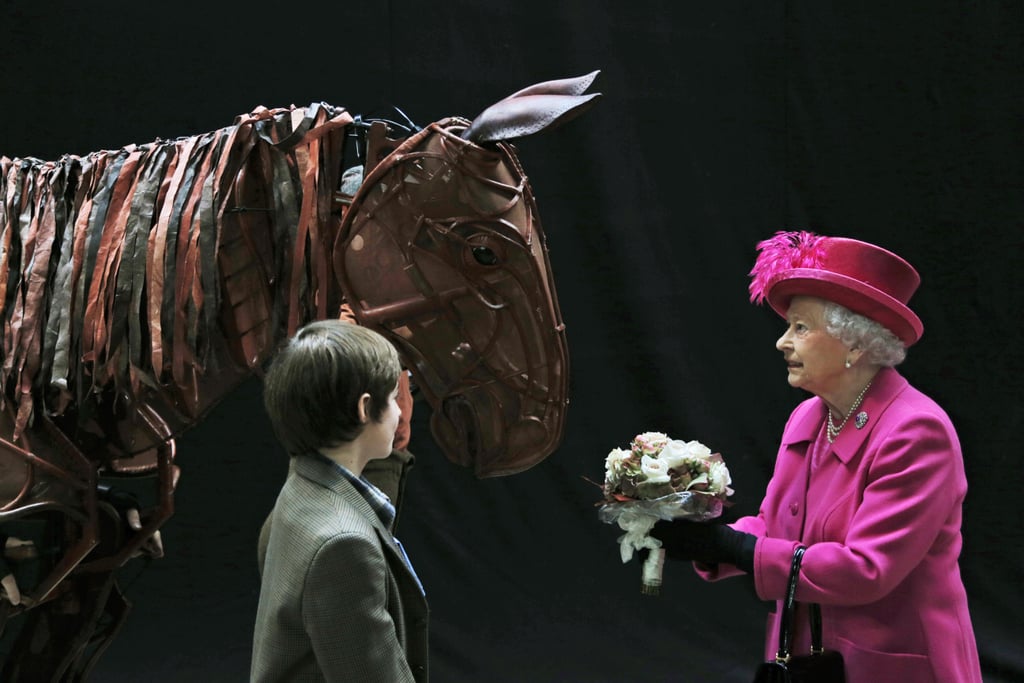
337	601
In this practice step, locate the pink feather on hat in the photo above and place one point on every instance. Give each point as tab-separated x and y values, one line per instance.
784	251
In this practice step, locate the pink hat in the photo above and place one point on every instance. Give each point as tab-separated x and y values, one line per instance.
866	279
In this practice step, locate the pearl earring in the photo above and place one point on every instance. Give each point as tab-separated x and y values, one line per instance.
847	363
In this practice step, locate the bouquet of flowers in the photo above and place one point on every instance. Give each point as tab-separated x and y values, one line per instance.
660	478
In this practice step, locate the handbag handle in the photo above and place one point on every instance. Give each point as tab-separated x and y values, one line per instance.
789	613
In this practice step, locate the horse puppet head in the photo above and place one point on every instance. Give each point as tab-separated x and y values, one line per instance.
442	251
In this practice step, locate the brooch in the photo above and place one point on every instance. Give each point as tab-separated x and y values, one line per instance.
861	420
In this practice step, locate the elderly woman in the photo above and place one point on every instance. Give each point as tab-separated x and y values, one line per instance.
869	475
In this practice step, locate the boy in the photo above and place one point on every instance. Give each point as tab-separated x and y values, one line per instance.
339	599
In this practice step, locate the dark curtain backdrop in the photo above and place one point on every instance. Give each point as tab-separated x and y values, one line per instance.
722	122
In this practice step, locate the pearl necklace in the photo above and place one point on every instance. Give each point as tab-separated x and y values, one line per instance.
833	430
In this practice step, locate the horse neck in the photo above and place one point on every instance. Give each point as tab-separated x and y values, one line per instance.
173	268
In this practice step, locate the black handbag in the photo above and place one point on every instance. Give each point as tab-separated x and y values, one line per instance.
820	666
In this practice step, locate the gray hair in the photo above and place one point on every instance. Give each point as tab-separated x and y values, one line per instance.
879	344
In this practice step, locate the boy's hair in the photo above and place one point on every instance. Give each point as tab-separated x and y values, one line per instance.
312	388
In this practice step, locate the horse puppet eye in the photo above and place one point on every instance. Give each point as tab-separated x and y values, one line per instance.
483	249
485	256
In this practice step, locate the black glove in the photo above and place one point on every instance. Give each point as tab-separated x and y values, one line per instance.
706	542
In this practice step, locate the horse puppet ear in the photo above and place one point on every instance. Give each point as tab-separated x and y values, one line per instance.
533	109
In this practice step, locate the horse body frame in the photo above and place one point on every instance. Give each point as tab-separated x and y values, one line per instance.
139	286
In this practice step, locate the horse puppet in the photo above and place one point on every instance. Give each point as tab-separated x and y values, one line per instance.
139	286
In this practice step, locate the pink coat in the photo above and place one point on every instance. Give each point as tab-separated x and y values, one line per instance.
881	522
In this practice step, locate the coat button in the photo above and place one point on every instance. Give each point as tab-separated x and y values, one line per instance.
794	509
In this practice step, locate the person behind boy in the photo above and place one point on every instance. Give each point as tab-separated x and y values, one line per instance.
339	599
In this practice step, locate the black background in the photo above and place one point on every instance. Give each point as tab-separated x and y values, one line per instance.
721	122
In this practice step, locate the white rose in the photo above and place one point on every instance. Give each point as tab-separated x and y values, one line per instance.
674	454
718	477
613	462
655	471
695	449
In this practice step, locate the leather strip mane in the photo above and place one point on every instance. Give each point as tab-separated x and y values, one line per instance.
118	263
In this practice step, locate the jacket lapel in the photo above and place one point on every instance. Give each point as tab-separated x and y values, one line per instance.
324	473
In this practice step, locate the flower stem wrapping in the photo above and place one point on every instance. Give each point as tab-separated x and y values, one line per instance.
638	517
653	567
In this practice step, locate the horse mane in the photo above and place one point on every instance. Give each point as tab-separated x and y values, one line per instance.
140	271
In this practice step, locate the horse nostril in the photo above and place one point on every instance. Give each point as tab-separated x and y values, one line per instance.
485	256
